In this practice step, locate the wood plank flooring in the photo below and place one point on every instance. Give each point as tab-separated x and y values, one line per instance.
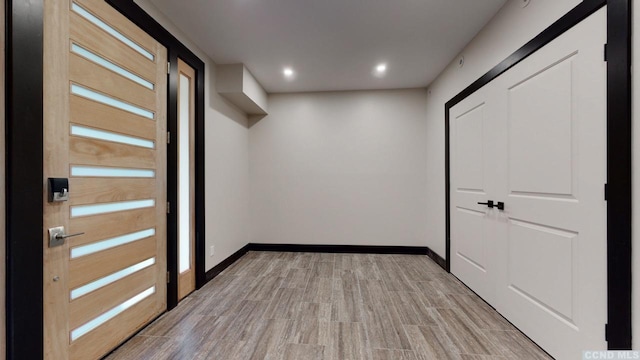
298	306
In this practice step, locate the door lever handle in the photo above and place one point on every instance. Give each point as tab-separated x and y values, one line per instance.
488	203
61	236
500	205
57	236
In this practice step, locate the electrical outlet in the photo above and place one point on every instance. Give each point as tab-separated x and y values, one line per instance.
211	251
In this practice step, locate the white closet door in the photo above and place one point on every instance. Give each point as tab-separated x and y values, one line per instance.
552	281
473	240
545	157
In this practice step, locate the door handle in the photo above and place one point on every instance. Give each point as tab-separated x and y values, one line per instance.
488	203
57	236
62	237
491	204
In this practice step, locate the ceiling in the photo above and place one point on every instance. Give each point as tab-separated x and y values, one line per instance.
333	44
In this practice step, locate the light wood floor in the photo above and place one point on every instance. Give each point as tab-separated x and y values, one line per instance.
300	306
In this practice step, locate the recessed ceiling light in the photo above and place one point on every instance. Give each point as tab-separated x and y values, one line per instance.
380	70
288	72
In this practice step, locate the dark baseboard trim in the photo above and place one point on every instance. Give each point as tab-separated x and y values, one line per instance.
343	249
437	258
216	270
346	249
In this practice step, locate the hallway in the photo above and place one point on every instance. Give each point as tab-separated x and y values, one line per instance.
273	305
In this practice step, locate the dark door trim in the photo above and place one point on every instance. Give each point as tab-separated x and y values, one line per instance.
618	53
619	153
24	188
177	49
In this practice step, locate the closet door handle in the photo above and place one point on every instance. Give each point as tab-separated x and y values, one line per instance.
500	205
488	203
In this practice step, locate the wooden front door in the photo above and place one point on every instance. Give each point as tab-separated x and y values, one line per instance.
105	93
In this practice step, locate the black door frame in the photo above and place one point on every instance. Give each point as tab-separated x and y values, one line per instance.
619	150
24	187
24	164
177	50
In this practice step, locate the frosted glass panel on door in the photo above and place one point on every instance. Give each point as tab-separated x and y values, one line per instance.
110	136
184	200
102	282
109	65
111	31
88	210
107	100
110	314
110	243
98	171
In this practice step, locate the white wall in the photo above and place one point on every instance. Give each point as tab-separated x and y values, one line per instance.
226	160
253	89
340	168
635	246
511	28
